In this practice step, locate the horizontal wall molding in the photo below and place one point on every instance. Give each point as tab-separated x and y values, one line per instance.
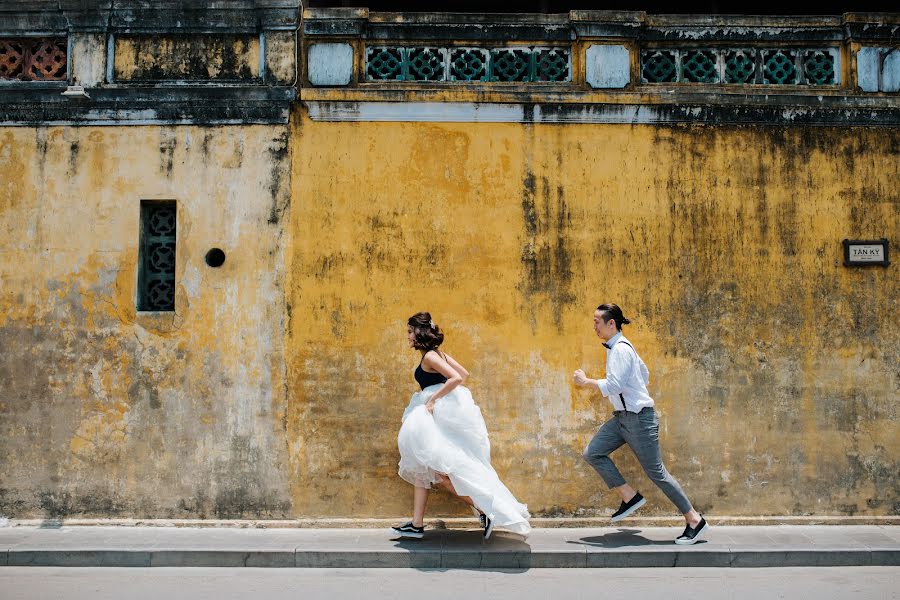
148	106
629	114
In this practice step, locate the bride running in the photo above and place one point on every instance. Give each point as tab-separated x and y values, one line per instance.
444	442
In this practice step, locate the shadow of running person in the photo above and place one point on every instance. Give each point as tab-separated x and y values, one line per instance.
623	538
467	549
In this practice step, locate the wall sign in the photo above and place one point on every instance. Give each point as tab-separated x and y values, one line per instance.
862	253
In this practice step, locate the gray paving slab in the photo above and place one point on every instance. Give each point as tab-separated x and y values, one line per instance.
625	547
78	558
223	557
469	550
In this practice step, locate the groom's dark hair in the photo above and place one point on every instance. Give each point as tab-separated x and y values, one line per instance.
612	311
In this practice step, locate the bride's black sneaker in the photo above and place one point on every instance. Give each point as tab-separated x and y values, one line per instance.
409	530
692	534
626	508
488	526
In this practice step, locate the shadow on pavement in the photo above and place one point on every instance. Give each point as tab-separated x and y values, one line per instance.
454	549
623	538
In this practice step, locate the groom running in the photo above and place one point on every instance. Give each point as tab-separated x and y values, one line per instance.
634	423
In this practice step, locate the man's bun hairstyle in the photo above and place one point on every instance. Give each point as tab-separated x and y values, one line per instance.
612	311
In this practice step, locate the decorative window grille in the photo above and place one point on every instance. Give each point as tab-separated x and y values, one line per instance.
659	66
514	64
767	66
33	59
469	64
780	67
700	66
156	267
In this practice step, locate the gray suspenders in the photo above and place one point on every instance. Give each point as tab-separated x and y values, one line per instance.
621	397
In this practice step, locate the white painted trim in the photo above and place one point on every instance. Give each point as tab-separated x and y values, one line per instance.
110	57
471	112
262	56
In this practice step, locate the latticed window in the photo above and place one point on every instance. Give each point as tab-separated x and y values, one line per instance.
33	59
515	64
767	66
156	266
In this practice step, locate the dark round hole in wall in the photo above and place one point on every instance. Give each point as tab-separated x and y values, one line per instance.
215	258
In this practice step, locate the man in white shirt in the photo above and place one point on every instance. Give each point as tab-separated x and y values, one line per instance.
634	423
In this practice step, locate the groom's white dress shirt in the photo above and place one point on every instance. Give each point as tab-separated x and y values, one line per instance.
626	376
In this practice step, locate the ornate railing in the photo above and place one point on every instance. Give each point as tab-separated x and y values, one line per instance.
522	64
766	66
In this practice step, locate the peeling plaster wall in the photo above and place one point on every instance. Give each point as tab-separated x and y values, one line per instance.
276	388
205	58
773	366
108	412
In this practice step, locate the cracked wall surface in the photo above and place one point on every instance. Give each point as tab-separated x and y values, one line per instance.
276	387
111	412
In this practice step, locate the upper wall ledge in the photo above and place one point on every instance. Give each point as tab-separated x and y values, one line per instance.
577	24
622	56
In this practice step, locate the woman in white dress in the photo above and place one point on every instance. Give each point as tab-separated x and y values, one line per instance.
443	441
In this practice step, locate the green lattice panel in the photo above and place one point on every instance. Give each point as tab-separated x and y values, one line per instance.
469	64
384	64
156	267
818	67
511	64
659	66
424	64
779	67
740	66
551	64
700	66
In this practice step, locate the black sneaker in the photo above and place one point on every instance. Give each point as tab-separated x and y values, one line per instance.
488	527
692	534
626	508
409	530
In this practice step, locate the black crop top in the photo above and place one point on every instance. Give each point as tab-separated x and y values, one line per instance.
424	378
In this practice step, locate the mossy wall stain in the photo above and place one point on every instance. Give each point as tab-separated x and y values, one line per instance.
187	57
111	412
773	366
276	387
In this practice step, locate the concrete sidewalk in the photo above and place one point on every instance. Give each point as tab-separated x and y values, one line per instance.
724	546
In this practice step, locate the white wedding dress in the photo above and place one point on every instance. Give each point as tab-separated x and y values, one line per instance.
454	442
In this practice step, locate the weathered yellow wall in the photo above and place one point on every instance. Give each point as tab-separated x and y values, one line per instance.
774	367
208	57
109	412
277	387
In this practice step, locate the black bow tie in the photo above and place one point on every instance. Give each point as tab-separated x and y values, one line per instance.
607	346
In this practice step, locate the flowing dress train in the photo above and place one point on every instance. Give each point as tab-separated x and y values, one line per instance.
454	442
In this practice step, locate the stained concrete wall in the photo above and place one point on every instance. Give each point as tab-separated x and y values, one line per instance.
108	412
773	366
276	388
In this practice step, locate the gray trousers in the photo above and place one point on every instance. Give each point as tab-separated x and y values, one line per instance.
641	432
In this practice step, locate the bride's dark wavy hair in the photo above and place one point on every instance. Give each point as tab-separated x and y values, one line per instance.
428	336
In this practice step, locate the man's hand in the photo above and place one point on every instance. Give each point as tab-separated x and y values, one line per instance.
581	378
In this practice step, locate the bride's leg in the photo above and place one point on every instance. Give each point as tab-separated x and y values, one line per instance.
420	499
445	483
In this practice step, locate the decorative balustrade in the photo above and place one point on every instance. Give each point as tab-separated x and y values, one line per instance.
522	64
765	66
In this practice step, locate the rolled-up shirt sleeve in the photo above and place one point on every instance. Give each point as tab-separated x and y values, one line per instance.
617	367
